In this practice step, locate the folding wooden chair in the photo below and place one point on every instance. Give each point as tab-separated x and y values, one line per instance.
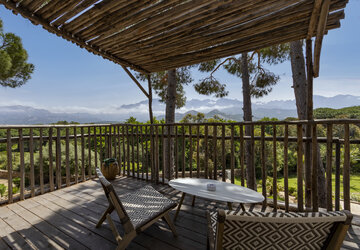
137	211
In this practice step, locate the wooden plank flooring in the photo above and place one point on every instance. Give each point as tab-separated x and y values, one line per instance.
66	219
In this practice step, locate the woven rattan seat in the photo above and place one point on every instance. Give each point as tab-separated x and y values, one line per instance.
257	230
145	203
137	210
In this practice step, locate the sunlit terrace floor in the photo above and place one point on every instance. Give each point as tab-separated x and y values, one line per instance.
66	219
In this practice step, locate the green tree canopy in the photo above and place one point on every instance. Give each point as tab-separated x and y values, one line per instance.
15	71
262	80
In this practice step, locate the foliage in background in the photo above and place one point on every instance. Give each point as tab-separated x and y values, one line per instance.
15	71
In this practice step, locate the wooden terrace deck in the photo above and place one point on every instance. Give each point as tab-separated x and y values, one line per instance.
66	219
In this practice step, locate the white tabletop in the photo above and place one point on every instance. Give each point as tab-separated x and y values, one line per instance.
226	192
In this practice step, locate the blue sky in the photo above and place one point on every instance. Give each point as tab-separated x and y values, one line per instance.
68	78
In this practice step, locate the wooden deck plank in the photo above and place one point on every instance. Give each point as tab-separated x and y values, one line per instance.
67	219
47	229
12	238
33	236
69	226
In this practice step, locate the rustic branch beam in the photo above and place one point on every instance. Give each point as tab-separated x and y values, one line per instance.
320	35
136	81
95	50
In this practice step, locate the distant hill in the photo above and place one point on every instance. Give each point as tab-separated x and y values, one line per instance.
230	109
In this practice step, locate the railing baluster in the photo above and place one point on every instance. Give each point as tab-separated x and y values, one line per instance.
118	146
329	166
32	168
206	163
337	176
300	167
183	151
157	153
128	150
232	155
123	161
314	187
51	168
82	155
163	153
215	151
133	150
198	151
108	128
190	151
176	160
114	140
58	158
89	153
286	168
274	169
142	152
169	153
67	152
22	165
41	165
9	166
95	147
346	168
223	155
76	156
263	167
242	156
137	153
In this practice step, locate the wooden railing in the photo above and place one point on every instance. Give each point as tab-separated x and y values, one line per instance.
39	159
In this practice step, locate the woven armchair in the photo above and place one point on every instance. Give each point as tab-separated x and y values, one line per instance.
137	211
257	230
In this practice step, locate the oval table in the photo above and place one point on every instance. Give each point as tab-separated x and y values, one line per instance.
225	192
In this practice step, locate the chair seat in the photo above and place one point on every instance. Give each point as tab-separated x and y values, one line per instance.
145	204
257	230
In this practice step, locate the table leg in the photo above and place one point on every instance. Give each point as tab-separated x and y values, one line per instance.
179	206
193	201
242	207
230	205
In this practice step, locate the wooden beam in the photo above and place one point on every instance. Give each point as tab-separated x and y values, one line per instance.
150	100
314	18
320	35
136	81
68	36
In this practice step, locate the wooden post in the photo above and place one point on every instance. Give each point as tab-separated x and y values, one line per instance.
346	168
300	167
215	151
191	151
309	117
51	170
223	153
89	152
67	162
274	169
58	158
41	165
337	175
286	169
263	167
314	187
9	166
150	100
32	168
82	155
242	156
76	156
198	151
329	150
206	152
22	166
232	155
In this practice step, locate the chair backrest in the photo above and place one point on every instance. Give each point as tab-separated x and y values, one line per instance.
256	230
114	201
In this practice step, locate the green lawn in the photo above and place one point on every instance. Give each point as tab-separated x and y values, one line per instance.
354	184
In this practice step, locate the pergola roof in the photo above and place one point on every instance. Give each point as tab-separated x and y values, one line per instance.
151	36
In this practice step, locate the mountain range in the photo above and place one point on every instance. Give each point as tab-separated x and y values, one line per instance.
225	108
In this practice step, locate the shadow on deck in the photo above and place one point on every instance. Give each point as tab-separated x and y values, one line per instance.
66	218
